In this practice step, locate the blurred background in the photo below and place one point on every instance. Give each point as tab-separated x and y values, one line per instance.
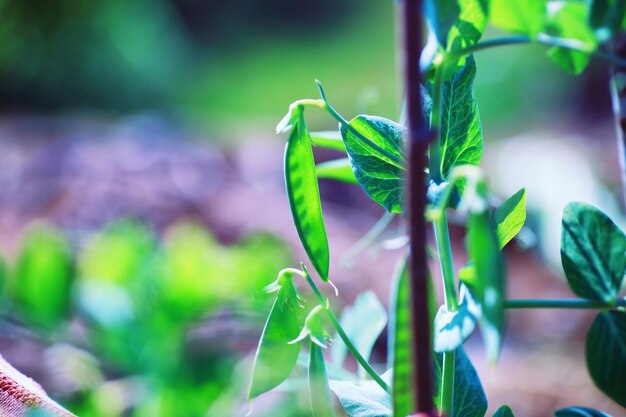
142	209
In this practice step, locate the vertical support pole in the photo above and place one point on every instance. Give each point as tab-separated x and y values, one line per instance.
417	144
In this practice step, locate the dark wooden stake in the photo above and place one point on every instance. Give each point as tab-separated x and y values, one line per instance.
417	143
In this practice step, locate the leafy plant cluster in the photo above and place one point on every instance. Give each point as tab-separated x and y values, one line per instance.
593	248
121	314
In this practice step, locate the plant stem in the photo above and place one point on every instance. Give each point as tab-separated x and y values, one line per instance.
574	303
618	98
442	236
344	336
542	39
447	384
434	151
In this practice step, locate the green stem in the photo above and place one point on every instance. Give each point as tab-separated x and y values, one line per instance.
447	384
447	270
342	334
564	304
400	162
542	39
442	236
434	151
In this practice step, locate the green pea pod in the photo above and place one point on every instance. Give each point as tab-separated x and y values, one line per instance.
319	391
304	197
275	357
400	342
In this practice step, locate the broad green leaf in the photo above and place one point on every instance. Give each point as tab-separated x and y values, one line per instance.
364	321
453	327
330	139
363	398
457	23
380	174
592	252
579	412
275	356
503	411
338	169
509	217
42	279
461	132
304	197
520	16
470	25
442	15
568	20
489	285
319	391
606	354
605	17
469	397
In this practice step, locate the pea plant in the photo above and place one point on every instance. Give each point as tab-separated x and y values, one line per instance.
441	107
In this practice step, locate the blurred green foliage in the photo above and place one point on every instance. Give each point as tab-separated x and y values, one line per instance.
82	54
41	281
233	65
154	324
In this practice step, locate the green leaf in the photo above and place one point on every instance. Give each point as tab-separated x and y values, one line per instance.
338	169
469	27
363	322
509	217
605	17
606	354
330	139
469	397
568	20
489	285
526	17
363	398
319	391
379	175
503	411
41	283
304	197
579	412
592	252
275	356
442	15
452	328
461	132
457	23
